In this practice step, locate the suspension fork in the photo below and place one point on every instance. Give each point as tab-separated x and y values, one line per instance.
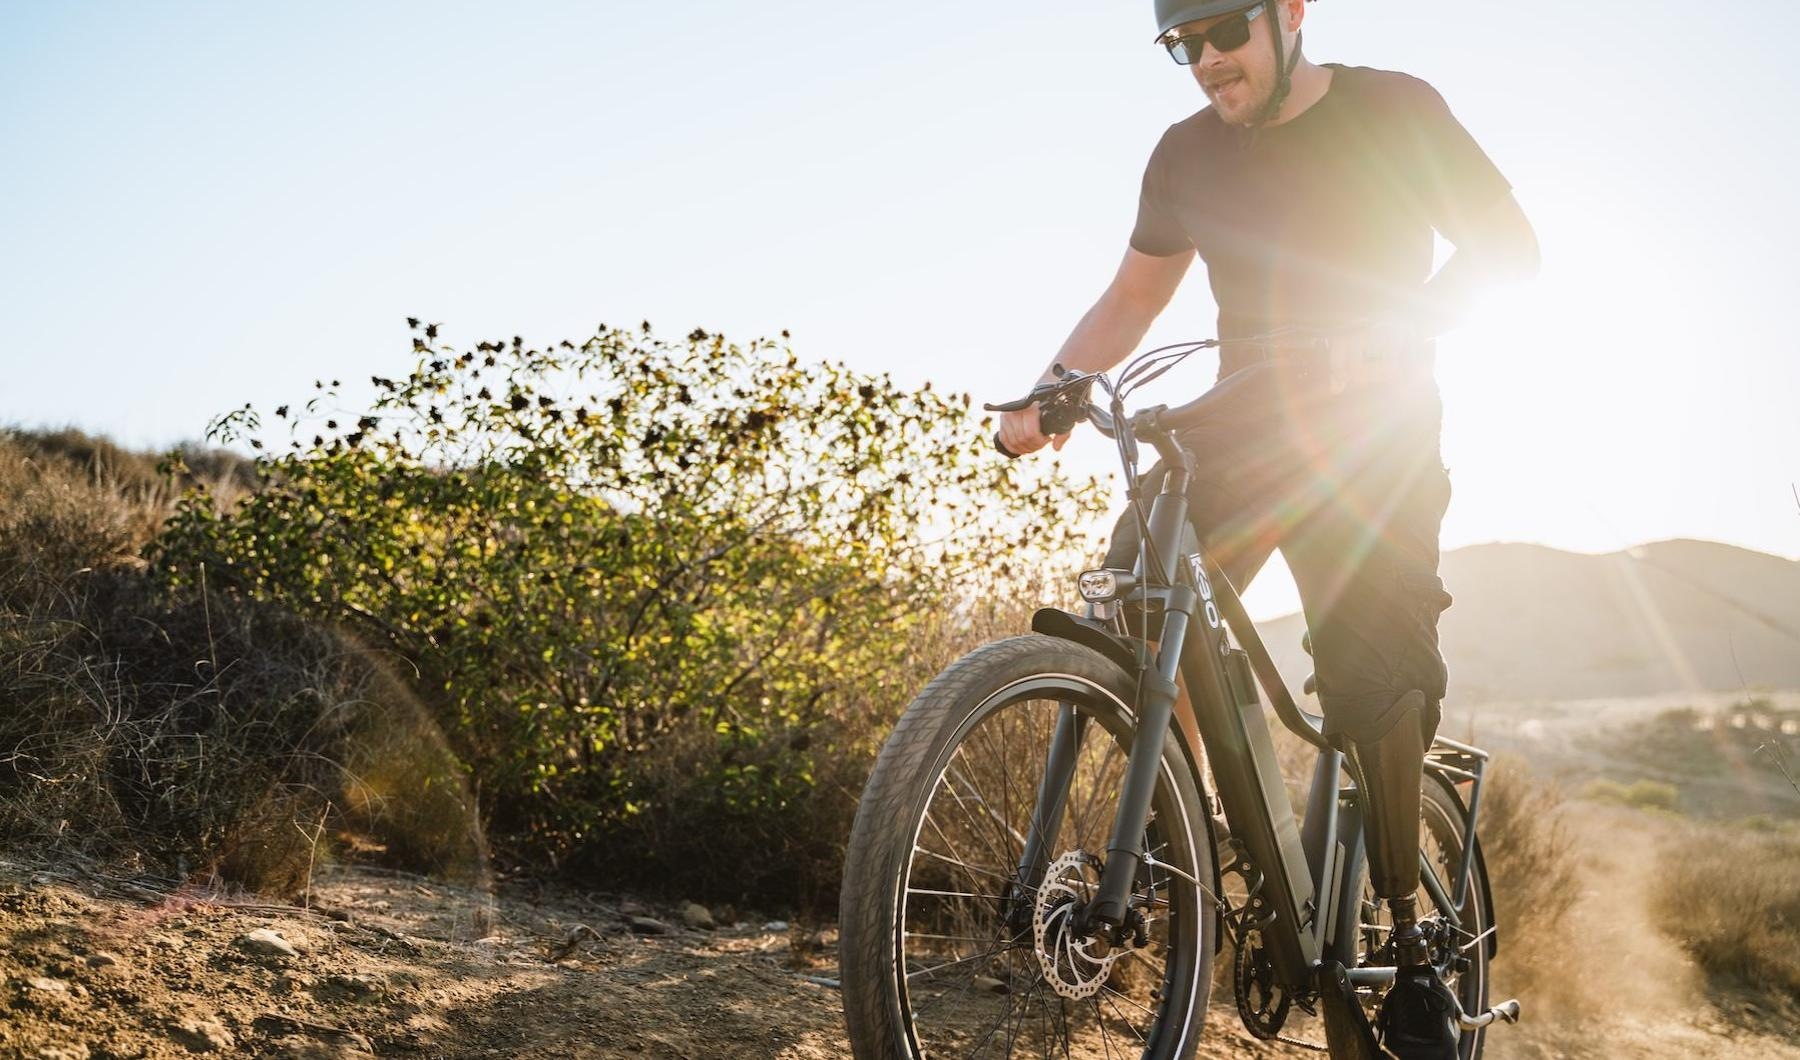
1155	707
1157	692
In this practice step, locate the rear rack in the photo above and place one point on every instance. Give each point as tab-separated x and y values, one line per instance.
1461	763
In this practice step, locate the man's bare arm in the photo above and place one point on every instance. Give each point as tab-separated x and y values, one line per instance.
1105	334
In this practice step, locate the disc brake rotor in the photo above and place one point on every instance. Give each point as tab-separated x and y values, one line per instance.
1074	967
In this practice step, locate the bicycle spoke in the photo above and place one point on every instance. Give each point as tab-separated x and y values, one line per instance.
1121	1015
1012	1036
980	833
955	894
1100	1022
949	964
1001	823
1122	997
1097	781
958	859
998	1023
944	938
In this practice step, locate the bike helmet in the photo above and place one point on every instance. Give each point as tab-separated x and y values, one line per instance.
1172	13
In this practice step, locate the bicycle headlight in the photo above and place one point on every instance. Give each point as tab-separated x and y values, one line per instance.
1099	586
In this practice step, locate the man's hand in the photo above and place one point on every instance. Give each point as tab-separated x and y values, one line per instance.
1020	434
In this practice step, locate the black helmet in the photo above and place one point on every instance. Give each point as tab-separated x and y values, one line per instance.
1172	13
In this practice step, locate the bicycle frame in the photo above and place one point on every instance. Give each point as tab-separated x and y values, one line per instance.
1301	875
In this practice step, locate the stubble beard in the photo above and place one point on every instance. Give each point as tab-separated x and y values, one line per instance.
1237	96
1241	101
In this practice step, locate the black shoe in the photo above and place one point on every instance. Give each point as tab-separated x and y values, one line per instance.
1418	1018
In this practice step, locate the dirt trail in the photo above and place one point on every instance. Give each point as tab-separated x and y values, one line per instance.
389	965
1639	994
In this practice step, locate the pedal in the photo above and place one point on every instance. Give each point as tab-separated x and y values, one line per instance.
1505	1010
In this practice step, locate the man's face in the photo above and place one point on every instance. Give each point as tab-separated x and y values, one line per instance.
1238	82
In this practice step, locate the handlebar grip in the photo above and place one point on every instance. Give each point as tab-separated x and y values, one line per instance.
1055	419
1004	451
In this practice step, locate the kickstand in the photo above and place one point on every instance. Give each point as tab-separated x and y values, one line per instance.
1347	1028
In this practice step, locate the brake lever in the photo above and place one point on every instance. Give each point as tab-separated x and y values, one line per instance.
1010	406
1040	391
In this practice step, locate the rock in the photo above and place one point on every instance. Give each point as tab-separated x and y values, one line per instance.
47	985
102	959
268	943
645	925
695	915
776	925
630	907
991	985
65	1051
203	1036
328	1041
356	987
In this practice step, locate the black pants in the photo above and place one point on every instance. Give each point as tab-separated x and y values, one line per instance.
1351	487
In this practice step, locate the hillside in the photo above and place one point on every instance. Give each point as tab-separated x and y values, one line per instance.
1532	622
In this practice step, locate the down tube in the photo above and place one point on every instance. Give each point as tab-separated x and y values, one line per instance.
1242	755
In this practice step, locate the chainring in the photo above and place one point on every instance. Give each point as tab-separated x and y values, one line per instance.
1262	1003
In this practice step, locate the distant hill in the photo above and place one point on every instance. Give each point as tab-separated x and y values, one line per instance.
1532	622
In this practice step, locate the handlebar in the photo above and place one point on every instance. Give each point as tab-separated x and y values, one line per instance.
1062	403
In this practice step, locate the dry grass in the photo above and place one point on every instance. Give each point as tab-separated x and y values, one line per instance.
1535	872
189	738
1731	898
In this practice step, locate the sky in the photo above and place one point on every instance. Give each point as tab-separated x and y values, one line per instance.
203	205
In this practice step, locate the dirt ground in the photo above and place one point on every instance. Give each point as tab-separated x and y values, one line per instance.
393	965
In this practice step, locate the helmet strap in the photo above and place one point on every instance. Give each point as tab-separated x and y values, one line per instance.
1285	82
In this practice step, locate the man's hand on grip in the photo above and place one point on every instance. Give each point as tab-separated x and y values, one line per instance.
1020	433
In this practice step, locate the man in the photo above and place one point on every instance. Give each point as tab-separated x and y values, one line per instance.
1312	193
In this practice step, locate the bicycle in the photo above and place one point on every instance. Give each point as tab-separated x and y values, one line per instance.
984	909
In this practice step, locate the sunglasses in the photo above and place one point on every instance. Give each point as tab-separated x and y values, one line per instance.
1227	36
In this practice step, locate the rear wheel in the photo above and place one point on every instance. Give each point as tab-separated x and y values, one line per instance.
945	951
1465	951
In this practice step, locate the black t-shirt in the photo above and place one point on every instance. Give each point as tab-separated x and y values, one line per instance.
1324	219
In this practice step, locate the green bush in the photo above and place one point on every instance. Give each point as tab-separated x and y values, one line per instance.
652	590
1643	794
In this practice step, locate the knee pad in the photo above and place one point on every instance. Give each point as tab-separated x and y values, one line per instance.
1387	755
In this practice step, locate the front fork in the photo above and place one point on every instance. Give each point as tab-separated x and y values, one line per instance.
1157	692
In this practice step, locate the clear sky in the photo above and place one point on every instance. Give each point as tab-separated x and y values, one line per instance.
207	204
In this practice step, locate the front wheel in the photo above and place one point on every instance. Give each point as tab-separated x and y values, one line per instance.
946	950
